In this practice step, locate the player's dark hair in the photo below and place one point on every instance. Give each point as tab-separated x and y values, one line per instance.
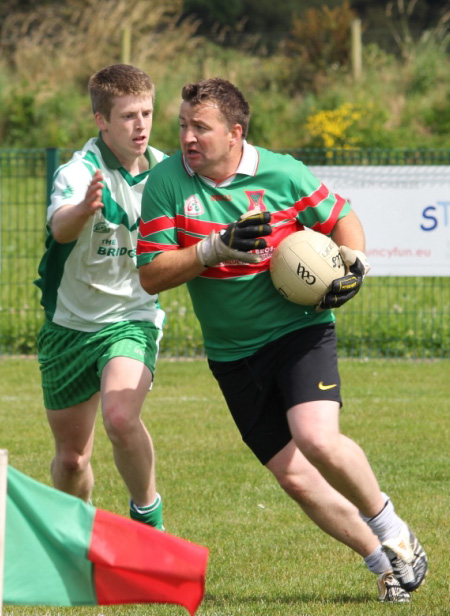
228	98
117	80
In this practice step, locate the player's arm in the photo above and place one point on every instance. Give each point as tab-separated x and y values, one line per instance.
348	234
169	269
69	220
348	231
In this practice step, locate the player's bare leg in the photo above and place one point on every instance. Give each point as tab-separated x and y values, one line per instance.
125	384
73	433
333	513
315	429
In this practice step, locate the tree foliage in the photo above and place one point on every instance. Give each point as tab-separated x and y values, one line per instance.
228	21
88	30
299	85
321	37
260	16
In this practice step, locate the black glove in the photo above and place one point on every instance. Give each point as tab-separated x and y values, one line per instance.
343	289
236	240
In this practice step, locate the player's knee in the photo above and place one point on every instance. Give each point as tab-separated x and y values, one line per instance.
119	425
71	462
320	449
289	482
296	485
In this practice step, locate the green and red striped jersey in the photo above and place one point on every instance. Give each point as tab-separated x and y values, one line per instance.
236	303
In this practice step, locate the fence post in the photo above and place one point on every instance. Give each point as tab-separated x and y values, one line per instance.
3	496
356	49
126	45
52	165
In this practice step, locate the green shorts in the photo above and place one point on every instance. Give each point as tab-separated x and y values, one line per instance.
71	361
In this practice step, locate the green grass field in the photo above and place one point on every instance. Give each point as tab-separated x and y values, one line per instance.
266	557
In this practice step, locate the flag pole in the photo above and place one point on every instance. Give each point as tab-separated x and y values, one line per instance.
3	489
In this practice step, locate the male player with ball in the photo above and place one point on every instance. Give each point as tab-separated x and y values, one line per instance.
100	339
211	216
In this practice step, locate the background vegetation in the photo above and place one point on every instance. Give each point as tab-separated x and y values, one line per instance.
266	557
292	60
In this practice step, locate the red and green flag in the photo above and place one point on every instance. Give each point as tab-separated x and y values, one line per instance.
61	551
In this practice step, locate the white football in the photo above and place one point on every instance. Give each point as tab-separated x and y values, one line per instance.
304	265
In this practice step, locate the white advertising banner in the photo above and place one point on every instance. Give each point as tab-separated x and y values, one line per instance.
405	211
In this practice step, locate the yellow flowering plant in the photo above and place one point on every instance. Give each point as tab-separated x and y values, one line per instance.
332	128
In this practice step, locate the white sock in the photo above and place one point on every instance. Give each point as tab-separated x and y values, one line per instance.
378	562
385	524
146	508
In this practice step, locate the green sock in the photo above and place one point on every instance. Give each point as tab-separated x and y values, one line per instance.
151	515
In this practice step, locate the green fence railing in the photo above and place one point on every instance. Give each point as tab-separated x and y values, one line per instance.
395	317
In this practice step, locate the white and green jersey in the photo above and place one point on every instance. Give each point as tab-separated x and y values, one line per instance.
236	303
94	281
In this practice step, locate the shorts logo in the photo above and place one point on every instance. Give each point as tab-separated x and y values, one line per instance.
325	387
193	206
255	198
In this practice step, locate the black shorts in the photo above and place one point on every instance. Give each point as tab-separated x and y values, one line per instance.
298	367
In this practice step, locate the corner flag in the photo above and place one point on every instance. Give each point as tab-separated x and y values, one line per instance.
61	551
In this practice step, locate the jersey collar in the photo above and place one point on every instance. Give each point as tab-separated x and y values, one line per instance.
248	165
112	161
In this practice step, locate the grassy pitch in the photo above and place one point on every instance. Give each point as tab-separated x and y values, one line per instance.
266	557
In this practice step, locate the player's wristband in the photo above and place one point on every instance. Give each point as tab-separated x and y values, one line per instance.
212	251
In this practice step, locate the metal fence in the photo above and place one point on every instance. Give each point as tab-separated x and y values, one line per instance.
391	317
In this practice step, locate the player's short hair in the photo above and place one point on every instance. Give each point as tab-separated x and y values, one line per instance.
114	81
228	98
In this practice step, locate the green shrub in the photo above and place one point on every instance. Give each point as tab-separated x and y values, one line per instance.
437	117
20	118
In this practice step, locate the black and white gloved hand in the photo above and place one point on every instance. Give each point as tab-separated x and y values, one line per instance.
343	289
236	240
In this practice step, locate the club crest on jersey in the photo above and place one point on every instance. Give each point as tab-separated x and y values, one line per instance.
193	206
101	227
255	198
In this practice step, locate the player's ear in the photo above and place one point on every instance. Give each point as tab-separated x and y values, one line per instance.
236	134
100	120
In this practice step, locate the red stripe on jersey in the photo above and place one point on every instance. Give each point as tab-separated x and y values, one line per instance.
199	227
327	227
143	247
156	224
299	206
278	234
312	200
234	270
179	221
289	214
281	231
185	239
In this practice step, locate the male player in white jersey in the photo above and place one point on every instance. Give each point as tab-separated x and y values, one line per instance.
211	216
100	339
